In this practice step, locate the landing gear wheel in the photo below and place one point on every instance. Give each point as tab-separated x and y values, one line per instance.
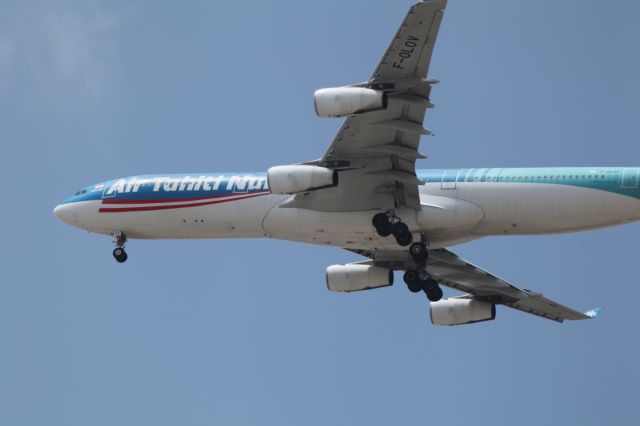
434	294
414	287
412	279
429	284
384	230
120	255
399	229
381	222
404	240
401	232
419	252
411	276
120	240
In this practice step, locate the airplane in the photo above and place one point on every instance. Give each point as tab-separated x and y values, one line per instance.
365	195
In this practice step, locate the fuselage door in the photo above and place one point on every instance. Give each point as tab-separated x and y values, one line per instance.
630	178
449	179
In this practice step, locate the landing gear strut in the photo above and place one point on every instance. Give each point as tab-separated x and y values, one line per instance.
387	224
418	280
120	240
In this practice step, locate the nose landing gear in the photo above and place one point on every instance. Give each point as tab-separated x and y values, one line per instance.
120	240
120	255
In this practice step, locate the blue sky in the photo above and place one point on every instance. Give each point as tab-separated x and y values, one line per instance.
245	332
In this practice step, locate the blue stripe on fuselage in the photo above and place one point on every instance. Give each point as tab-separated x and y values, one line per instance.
173	187
168	187
619	180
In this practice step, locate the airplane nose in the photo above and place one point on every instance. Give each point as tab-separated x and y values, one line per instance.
57	212
65	213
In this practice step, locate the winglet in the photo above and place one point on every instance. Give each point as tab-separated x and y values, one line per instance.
593	313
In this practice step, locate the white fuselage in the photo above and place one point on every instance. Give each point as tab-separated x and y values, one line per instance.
451	212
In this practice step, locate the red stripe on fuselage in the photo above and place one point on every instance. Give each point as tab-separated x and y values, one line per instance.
179	206
176	200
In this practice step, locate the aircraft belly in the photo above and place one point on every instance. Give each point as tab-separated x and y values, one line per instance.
341	229
354	230
438	213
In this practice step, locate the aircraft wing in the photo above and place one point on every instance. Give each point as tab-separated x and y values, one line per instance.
454	272
376	151
450	270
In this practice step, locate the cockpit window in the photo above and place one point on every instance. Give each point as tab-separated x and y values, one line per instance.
82	191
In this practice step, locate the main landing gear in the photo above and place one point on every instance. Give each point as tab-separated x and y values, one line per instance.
388	224
418	280
120	240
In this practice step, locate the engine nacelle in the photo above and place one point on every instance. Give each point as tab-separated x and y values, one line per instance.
461	311
301	178
343	101
355	277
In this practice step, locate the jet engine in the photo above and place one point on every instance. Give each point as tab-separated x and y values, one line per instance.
355	277
343	101
461	311
300	178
